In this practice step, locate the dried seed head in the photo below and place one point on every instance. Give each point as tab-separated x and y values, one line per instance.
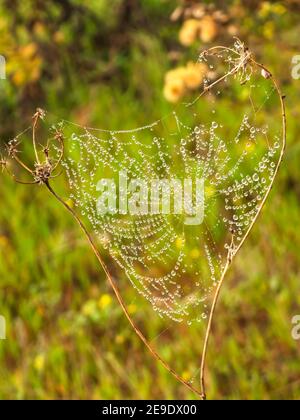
40	113
12	148
42	172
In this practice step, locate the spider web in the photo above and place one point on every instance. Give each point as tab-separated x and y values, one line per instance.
177	267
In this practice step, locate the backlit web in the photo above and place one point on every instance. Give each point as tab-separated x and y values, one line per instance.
174	265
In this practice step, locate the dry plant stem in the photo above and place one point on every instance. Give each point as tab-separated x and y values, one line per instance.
210	320
13	175
118	295
232	255
209	87
21	163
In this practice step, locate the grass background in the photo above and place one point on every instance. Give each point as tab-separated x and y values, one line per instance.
67	337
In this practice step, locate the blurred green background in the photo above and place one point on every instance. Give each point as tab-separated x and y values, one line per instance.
96	62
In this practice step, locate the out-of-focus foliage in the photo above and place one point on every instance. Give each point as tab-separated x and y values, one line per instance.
106	63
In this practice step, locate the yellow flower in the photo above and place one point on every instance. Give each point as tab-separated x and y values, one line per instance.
120	339
59	37
27	51
250	146
186	375
177	73
195	253
244	94
40	29
209	191
104	301
179	242
189	32
265	9
18	379
269	30
39	362
132	308
279	9
19	78
174	90
209	29
177	81
194	74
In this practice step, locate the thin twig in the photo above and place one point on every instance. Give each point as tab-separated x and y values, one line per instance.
21	163
210	320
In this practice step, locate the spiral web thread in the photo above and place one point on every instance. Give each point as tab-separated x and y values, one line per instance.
177	267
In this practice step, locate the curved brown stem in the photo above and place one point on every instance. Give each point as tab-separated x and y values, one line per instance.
21	163
230	255
210	320
61	154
